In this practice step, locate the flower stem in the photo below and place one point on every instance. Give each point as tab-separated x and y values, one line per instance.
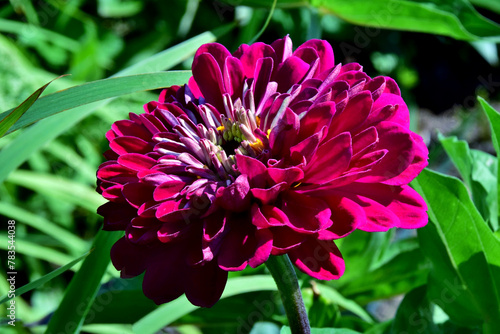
284	275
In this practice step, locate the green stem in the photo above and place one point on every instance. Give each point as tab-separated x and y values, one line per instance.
284	275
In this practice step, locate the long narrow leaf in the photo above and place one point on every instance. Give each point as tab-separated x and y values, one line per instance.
13	115
36	251
465	279
95	91
59	188
80	294
453	18
44	279
64	236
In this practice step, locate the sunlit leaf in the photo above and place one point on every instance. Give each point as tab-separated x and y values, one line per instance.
453	18
415	313
80	293
44	279
465	279
13	115
96	91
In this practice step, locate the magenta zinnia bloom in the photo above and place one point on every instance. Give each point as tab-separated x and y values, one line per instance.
266	151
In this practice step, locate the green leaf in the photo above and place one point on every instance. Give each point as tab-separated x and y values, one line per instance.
168	313
492	5
96	91
265	328
340	300
494	118
71	313
14	114
39	34
484	186
478	170
73	242
286	330
453	18
120	301
265	3
400	275
44	279
465	279
459	153
414	314
118	8
108	329
26	7
32	249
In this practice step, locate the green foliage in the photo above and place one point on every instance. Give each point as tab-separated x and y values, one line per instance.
453	18
464	252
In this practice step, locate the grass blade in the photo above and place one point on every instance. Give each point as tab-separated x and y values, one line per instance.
44	279
65	237
59	188
37	251
13	115
91	92
71	313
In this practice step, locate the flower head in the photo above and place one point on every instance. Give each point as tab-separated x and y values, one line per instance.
266	151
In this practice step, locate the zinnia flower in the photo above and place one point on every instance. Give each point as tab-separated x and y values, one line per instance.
266	151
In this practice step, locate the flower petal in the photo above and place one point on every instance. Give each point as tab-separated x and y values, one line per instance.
319	259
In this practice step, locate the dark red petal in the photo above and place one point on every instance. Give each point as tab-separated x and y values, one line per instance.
137	193
116	215
233	77
290	72
251	56
354	114
397	140
208	76
168	189
239	244
284	134
346	217
204	284
288	175
136	161
283	48
285	239
216	50
127	144
306	214
264	239
253	169
165	275
319	259
128	128
236	197
128	258
417	165
401	116
324	51
269	196
316	118
331	159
